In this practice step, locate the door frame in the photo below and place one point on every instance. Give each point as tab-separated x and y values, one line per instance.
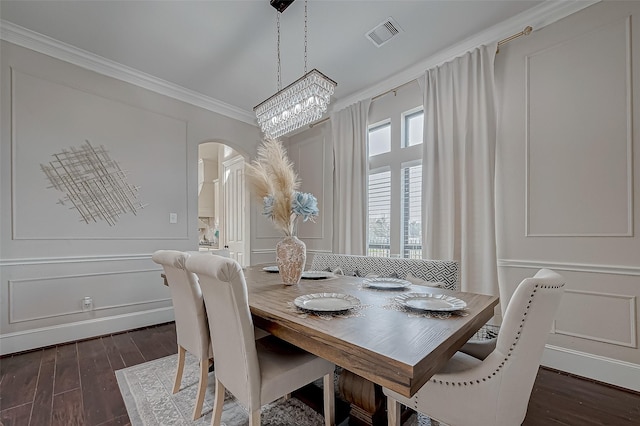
246	252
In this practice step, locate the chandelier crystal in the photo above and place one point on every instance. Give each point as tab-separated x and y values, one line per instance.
298	104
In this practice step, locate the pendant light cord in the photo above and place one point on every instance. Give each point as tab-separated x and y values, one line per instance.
278	44
278	27
305	36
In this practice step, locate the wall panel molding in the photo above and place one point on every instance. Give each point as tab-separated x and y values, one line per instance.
16	284
631	342
265	229
263	251
306	151
52	102
73	259
273	250
567	266
591	198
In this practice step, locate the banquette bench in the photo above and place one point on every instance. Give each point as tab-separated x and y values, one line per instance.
431	271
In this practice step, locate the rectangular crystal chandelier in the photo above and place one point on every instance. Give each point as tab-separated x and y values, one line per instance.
298	104
301	102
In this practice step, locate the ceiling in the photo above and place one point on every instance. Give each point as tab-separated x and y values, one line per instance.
226	50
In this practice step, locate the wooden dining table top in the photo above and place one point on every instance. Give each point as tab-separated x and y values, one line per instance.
387	346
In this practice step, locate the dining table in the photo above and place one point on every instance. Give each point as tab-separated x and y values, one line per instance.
380	340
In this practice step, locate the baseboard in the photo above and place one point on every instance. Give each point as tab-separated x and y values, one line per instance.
603	369
47	336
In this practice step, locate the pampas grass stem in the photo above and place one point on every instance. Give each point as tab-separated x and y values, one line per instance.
272	173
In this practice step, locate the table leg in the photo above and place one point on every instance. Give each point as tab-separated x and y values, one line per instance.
366	399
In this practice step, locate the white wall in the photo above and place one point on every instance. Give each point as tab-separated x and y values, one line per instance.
311	152
49	260
568	191
313	157
568	181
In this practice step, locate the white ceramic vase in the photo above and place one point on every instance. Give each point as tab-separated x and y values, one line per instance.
291	256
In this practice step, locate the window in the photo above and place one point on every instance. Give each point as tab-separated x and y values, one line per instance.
379	139
395	186
379	213
413	123
412	212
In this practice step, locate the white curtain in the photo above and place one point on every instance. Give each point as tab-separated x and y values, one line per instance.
459	167
351	167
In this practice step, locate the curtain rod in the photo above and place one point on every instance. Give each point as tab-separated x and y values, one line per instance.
319	122
526	31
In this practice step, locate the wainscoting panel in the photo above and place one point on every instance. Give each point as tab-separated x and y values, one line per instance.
576	267
595	331
579	135
268	256
31	261
612	320
32	299
264	256
264	229
312	170
313	159
568	183
41	298
50	260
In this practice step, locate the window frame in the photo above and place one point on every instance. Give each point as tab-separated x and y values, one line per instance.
394	160
376	126
372	172
405	116
403	236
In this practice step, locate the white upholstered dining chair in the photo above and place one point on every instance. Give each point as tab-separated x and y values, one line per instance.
494	391
192	329
256	372
217	252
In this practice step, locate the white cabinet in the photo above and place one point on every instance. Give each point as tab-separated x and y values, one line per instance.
216	199
207	174
200	174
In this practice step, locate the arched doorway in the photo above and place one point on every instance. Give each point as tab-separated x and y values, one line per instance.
223	201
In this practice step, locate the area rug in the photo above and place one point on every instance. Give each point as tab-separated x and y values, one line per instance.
146	390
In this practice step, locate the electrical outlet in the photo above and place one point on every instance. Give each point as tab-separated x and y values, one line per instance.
173	217
87	304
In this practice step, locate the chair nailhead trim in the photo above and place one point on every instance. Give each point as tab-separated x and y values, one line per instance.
513	345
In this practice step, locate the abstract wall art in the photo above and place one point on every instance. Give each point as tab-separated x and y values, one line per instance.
93	184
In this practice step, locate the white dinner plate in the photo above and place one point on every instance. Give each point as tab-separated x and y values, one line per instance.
317	275
431	302
273	268
386	283
326	302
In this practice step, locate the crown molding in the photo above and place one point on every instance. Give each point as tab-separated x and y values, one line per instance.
538	17
43	44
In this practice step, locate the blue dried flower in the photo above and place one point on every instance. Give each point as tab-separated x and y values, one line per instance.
267	208
304	204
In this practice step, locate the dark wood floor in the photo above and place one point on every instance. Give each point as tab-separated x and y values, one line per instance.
75	384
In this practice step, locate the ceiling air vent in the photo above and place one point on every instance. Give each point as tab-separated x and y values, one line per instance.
384	32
